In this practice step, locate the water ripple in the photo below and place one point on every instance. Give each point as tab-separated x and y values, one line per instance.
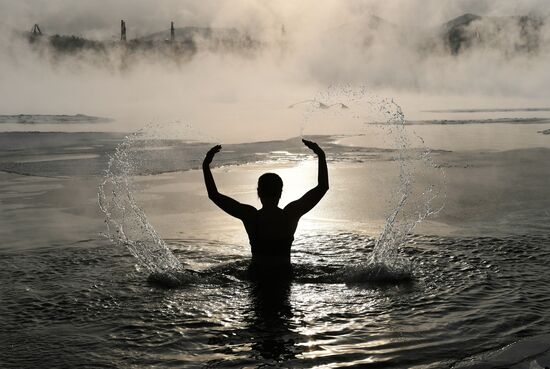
88	304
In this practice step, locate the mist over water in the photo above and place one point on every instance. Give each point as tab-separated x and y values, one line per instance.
396	49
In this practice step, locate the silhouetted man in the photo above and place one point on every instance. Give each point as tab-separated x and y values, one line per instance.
270	229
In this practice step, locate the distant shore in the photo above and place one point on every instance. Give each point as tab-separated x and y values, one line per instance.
52	119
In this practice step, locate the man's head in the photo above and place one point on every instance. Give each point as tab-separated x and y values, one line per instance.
270	187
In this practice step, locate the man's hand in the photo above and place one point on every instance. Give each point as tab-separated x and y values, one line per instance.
314	147
210	154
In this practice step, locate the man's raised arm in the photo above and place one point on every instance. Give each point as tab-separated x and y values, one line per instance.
226	203
313	196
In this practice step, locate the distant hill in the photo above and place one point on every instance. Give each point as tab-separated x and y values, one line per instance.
187	42
511	34
185	34
462	21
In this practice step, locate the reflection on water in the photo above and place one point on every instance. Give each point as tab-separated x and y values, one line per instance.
273	337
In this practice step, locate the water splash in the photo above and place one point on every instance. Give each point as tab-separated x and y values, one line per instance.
127	223
412	206
411	203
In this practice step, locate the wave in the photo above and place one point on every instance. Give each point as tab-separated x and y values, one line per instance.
531	352
374	273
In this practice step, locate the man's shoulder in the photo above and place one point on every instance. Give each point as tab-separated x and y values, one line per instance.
291	208
249	212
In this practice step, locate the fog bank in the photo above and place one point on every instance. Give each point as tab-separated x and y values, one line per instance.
404	49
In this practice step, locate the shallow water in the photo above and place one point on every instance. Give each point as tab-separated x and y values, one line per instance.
86	305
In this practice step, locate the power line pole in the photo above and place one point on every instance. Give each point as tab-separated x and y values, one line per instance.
122	31
172	32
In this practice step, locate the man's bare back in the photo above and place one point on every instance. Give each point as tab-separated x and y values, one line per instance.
270	229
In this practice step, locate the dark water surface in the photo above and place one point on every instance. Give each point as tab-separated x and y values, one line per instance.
85	306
